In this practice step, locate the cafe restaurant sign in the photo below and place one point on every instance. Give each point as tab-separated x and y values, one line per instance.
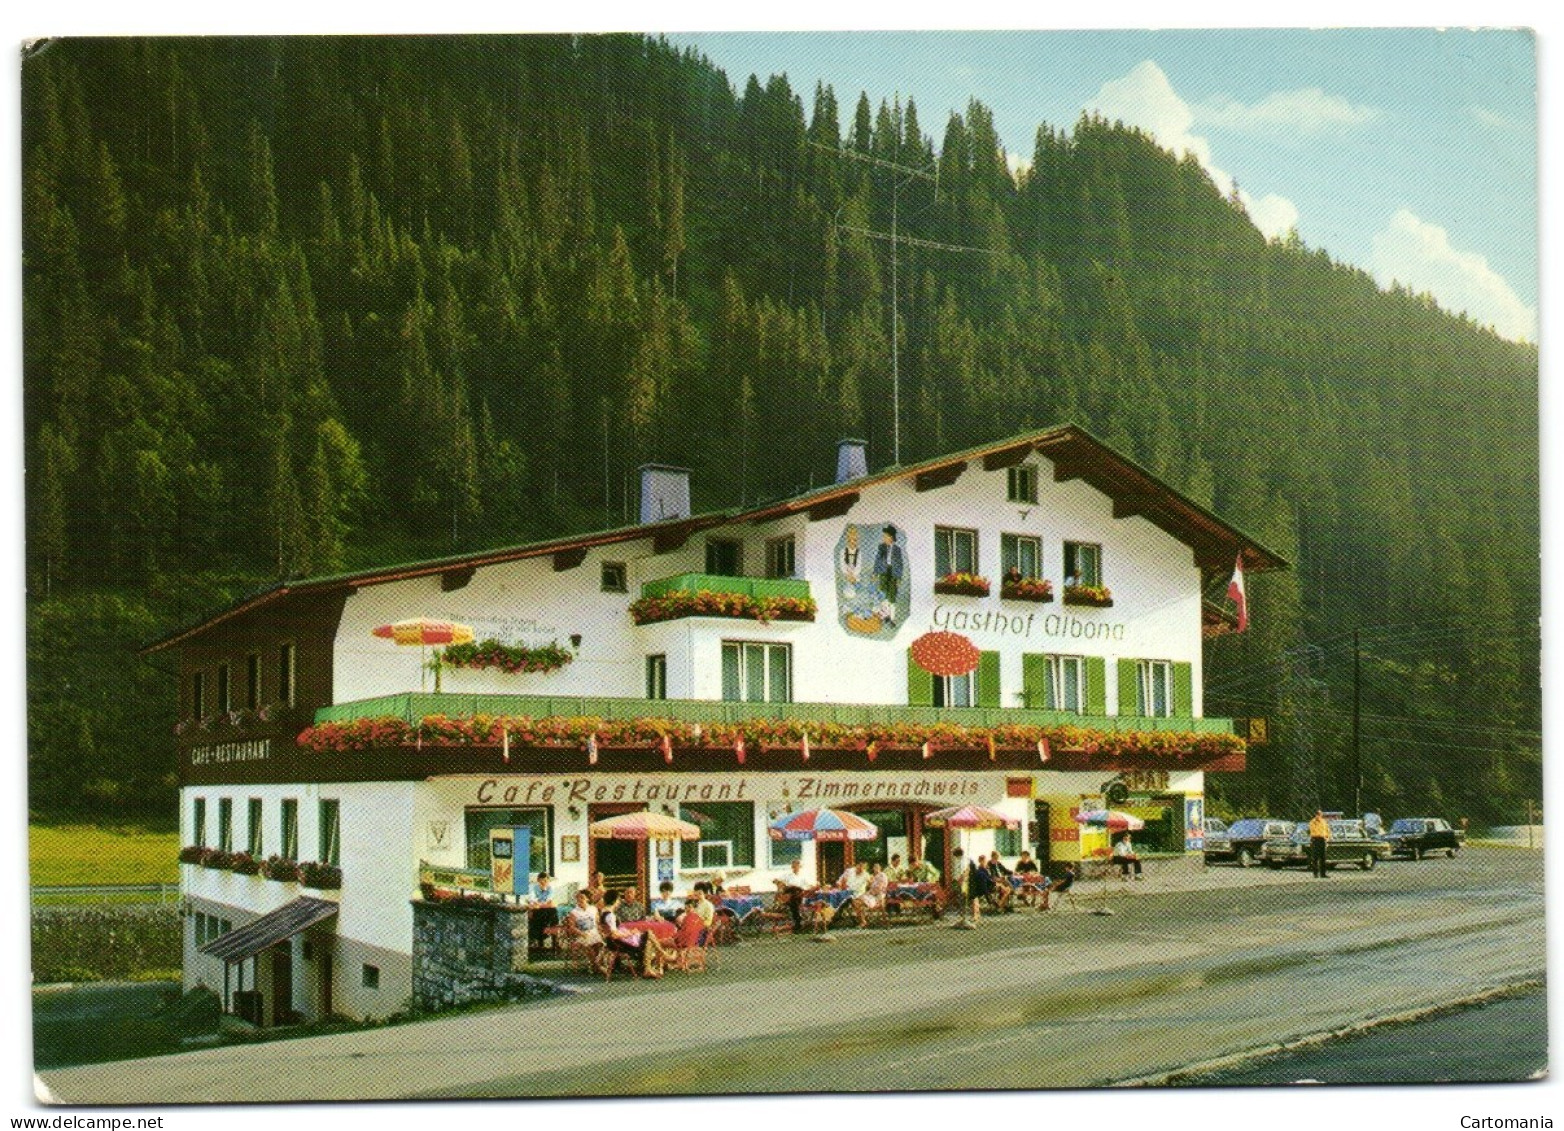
802	790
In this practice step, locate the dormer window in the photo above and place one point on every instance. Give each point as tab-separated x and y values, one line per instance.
1022	487
614	577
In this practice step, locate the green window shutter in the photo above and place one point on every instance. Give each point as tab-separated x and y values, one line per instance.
1034	680
988	690
1128	686
1096	685
920	684
1183	690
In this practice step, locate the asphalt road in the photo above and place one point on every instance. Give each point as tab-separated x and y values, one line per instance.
1241	961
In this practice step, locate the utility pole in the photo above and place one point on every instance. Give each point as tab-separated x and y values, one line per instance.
907	175
1357	719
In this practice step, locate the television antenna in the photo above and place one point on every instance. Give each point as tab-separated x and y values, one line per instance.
904	175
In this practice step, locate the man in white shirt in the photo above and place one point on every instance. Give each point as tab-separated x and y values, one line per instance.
792	887
855	880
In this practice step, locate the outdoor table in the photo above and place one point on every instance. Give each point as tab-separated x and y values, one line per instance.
834	896
741	905
663	929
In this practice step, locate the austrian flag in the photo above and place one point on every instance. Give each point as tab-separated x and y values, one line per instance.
1236	594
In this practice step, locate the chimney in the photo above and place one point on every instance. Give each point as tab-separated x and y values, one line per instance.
665	492
852	460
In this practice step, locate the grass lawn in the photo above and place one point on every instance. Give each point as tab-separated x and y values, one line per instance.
90	854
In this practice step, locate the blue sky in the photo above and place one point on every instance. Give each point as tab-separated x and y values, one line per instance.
1410	153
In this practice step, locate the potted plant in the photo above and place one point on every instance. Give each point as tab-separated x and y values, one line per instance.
191	854
1096	596
326	877
962	584
216	858
244	864
280	868
1018	588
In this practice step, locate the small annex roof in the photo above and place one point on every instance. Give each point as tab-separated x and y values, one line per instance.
270	929
1073	452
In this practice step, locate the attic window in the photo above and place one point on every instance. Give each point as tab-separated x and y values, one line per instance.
614	577
1022	484
724	557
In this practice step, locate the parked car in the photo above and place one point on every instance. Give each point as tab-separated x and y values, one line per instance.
1349	843
1416	837
1246	837
1216	838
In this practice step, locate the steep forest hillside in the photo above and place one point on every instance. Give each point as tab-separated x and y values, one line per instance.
294	305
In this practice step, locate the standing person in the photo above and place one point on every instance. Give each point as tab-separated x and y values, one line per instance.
889	565
543	914
1319	837
792	887
1001	877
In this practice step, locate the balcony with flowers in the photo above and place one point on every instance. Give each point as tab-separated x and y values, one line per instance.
713	595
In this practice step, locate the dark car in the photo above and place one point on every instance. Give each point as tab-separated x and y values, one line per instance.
1246	837
1416	837
1349	843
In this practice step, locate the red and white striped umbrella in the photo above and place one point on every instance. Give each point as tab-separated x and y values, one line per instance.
1110	819
425	631
823	824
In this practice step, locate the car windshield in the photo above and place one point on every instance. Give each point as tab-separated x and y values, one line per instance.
1215	826
1346	828
1406	825
1249	827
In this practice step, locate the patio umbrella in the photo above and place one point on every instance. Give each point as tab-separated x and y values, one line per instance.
822	824
969	817
945	653
1112	821
645	825
424	631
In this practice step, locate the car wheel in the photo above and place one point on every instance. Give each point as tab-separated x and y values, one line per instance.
1367	863
1245	858
1453	851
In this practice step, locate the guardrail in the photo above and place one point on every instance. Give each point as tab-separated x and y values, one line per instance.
105	893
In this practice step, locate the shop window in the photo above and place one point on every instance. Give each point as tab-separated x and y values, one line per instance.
331	831
724	557
657	676
198	822
727	837
955	551
290	828
252	681
1082	564
614	578
784	852
780	557
1009	842
254	832
1022	485
225	824
753	672
480	821
285	662
1022	553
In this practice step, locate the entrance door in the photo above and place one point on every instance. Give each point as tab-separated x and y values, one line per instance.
1042	833
282	984
622	862
830	860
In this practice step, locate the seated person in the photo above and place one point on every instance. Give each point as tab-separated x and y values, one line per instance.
1003	889
1124	856
920	872
894	869
581	922
691	930
597	890
873	898
1062	885
665	904
704	907
630	906
1026	864
856	881
717	887
791	887
542	915
641	946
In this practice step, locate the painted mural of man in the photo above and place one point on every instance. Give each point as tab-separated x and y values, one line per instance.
890	564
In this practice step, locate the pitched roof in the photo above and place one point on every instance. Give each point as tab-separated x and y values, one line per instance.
1074	452
270	929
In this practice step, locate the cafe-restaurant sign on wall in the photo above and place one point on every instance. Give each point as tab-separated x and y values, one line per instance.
802	789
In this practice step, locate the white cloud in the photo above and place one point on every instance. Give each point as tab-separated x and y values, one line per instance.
1308	111
1418	255
1145	100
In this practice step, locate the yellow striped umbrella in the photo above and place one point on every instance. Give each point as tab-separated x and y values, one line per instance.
424	631
645	825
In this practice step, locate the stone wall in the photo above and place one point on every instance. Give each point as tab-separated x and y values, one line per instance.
468	951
